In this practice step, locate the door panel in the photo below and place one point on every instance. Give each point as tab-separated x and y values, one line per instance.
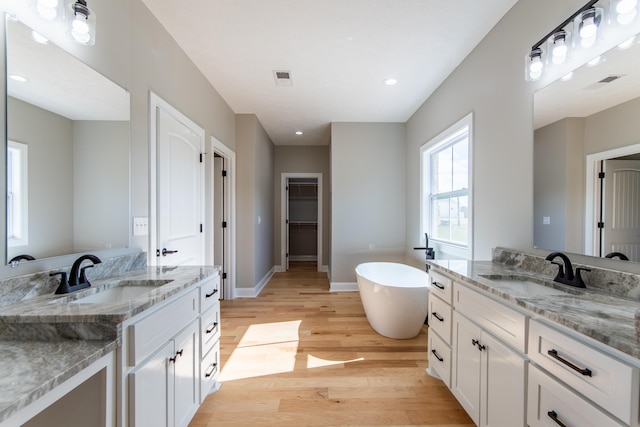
621	206
179	193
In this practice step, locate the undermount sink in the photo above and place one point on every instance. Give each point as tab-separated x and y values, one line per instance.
525	286
123	292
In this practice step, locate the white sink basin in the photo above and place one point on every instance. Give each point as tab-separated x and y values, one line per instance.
117	295
523	286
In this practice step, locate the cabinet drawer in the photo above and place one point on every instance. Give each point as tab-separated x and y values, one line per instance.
440	285
209	370
501	321
209	293
440	318
209	329
440	358
605	380
550	403
151	332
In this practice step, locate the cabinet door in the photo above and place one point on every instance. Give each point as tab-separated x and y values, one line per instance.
150	391
187	374
465	379
503	385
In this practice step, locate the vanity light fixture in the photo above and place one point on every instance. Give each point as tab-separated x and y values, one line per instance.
81	22
596	24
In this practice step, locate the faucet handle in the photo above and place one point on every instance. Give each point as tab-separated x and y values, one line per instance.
577	280
83	276
63	288
560	274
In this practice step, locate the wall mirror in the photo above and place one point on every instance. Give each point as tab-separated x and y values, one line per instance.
67	152
585	125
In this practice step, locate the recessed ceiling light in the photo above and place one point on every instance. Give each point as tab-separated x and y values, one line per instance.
299	132
390	82
18	78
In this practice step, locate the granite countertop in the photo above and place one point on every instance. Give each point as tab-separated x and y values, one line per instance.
606	318
47	339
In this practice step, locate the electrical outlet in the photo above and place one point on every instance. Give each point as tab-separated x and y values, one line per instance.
546	220
140	226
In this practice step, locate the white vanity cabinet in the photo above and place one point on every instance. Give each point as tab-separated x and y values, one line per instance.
440	323
172	355
488	376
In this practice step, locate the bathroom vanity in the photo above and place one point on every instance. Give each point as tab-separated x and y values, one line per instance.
139	348
517	349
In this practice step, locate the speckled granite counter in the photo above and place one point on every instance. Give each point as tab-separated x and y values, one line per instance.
46	339
605	317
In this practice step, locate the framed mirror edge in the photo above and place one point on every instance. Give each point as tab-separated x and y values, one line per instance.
57	261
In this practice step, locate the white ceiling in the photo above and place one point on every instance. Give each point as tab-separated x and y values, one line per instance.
339	53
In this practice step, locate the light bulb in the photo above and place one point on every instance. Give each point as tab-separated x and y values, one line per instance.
559	51
626	18
536	65
47	9
80	24
626	6
589	28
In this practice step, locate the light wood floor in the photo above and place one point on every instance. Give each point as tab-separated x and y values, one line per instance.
300	356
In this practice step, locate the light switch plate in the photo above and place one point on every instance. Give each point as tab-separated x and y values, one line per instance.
140	226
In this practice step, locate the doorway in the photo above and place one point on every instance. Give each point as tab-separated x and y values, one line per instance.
301	218
223	195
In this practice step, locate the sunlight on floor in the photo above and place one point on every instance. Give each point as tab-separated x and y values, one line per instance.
267	349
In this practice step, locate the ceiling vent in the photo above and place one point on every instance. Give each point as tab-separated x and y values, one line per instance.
604	81
282	78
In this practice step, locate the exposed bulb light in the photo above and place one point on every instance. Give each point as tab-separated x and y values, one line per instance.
627	43
391	82
47	9
588	26
535	64
559	50
626	6
81	22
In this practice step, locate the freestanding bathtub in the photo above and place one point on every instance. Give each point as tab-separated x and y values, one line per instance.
394	297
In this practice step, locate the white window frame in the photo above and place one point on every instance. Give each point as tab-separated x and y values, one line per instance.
433	145
17	175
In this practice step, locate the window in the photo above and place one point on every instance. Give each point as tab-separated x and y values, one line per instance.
17	194
446	195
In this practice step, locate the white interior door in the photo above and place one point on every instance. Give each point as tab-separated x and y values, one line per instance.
287	226
219	220
621	206
179	192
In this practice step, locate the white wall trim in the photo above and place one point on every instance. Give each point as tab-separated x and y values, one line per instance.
230	202
283	215
592	196
343	287
255	291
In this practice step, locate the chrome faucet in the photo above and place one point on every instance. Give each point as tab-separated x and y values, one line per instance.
565	272
77	276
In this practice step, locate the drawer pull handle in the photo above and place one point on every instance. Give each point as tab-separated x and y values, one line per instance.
554	417
210	370
437	285
212	327
477	344
584	371
435	353
437	316
174	358
215	291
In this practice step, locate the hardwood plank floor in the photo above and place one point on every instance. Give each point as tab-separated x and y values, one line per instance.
300	356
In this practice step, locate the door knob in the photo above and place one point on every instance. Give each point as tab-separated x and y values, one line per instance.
165	252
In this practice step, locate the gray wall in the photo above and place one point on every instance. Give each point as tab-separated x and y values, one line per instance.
303	159
490	83
559	185
254	201
368	196
50	146
136	52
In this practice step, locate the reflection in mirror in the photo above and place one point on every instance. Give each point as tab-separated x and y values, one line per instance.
586	125
67	152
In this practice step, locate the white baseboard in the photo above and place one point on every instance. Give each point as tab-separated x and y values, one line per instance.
343	287
324	269
255	291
